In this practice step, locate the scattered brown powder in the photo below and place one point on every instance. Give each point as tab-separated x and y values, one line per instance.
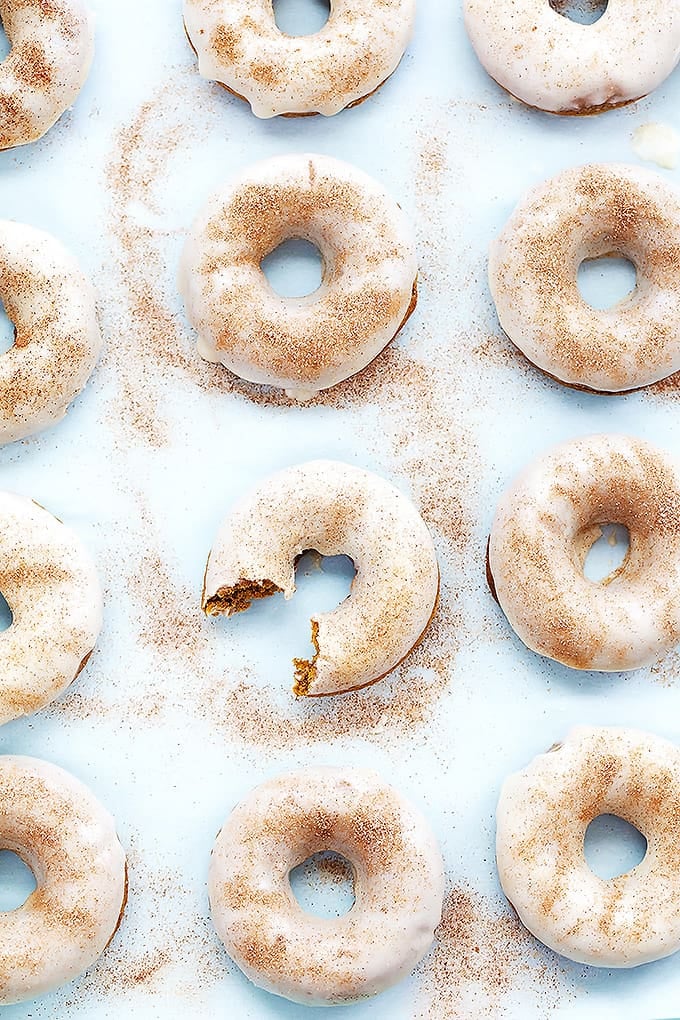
482	957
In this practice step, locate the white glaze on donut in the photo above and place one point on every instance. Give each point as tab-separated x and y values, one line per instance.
542	817
52	49
335	509
557	65
51	586
57	338
545	524
240	46
398	885
55	824
305	344
585	213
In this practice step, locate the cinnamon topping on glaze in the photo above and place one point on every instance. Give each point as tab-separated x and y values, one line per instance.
557	65
305	344
542	817
334	509
543	528
51	586
69	841
240	46
398	885
57	338
52	50
585	213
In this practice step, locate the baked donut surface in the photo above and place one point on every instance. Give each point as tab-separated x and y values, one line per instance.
542	817
50	584
68	840
52	49
398	885
555	64
585	213
306	344
57	340
240	46
335	509
544	526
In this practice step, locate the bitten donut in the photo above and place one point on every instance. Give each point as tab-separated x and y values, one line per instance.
303	344
557	65
398	885
543	814
544	526
56	335
68	840
50	584
241	47
334	509
586	213
52	48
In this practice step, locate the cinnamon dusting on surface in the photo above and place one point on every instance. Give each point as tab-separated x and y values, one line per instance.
484	960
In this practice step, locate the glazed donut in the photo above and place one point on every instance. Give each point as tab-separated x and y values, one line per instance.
51	587
68	840
52	49
398	885
543	814
334	509
241	47
304	344
57	339
554	64
580	214
543	529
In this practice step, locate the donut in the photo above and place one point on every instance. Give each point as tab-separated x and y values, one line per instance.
241	47
554	64
542	817
68	840
334	509
52	49
305	344
398	885
51	586
586	213
57	338
544	526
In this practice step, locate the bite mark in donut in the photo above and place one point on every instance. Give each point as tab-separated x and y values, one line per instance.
336	510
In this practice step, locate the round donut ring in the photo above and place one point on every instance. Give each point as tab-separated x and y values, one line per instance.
241	47
544	526
334	509
543	814
580	214
52	49
57	338
303	344
398	886
51	586
554	64
68	840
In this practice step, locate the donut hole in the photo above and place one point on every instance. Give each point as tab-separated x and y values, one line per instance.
605	281
5	44
294	269
7	331
301	17
583	12
613	847
17	881
607	554
323	884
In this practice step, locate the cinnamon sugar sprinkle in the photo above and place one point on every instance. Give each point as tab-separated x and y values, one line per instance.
485	961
